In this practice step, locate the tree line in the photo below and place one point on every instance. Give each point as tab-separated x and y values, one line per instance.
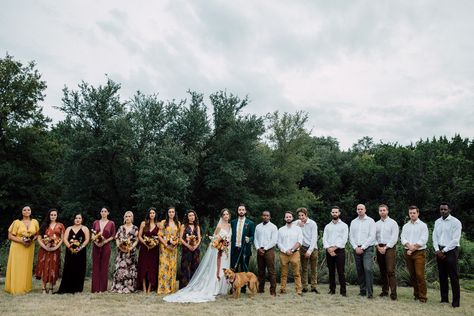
205	153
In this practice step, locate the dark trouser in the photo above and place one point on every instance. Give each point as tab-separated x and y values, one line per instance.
387	270
416	267
448	267
338	261
312	261
266	261
241	263
365	271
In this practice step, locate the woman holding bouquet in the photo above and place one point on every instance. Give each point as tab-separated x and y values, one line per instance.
103	231
190	237
76	238
168	235
148	256
22	233
125	275
50	239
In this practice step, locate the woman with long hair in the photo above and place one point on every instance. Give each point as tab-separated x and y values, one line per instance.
76	238
168	235
190	237
125	275
50	239
22	233
103	231
209	281
148	256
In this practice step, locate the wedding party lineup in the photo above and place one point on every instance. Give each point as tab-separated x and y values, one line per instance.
164	255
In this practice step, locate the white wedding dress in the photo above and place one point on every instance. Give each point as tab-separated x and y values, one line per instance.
204	286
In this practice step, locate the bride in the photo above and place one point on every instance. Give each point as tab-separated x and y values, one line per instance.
208	280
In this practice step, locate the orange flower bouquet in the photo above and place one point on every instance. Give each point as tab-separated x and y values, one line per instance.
172	240
51	242
97	236
125	244
221	244
75	245
150	241
191	240
27	238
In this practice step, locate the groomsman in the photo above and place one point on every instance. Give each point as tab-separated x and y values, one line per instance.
334	241
265	240
308	250
414	238
446	237
386	238
362	238
290	238
243	230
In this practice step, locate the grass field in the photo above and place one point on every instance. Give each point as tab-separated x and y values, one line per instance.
36	303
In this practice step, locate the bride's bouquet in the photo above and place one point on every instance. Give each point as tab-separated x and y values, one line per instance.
97	236
75	244
221	244
150	241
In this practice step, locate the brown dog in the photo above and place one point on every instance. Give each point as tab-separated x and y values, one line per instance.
238	280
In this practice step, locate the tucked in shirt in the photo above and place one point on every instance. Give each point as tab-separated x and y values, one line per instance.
310	234
386	232
335	234
447	233
266	236
289	236
240	222
415	233
362	232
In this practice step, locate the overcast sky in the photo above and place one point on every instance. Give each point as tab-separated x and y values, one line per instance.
396	71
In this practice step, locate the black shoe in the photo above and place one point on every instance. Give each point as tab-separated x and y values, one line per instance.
444	301
383	294
370	296
305	290
393	297
344	294
332	292
455	305
362	294
315	291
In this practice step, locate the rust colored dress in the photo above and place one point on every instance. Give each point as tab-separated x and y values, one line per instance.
49	262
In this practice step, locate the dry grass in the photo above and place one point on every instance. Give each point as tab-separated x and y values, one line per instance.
36	303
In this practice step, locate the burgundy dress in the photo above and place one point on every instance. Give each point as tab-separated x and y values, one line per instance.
148	262
101	258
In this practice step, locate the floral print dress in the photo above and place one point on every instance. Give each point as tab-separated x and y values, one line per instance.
168	260
125	275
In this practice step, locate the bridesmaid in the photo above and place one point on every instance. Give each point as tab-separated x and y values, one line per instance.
148	256
125	275
50	239
101	251
168	235
190	237
22	233
76	238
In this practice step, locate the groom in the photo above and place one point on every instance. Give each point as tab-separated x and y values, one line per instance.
243	230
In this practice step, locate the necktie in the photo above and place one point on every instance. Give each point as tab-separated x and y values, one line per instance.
239	234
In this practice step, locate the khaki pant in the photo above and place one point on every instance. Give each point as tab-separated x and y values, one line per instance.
312	261
416	268
285	261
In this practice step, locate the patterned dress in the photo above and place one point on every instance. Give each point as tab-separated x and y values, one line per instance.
125	275
168	260
189	259
49	262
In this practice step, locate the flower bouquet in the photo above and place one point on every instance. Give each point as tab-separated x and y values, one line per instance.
150	241
27	238
51	242
172	240
75	244
97	236
221	244
125	244
191	240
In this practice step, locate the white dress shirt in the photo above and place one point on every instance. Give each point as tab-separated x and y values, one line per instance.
289	236
335	234
362	232
266	236
447	233
242	223
310	234
386	232
415	233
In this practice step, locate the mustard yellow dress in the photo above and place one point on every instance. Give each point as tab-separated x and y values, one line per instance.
20	259
168	260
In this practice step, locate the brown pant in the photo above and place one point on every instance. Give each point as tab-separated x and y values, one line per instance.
416	268
313	262
386	264
285	261
266	261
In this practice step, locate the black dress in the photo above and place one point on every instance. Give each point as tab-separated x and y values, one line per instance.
74	270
